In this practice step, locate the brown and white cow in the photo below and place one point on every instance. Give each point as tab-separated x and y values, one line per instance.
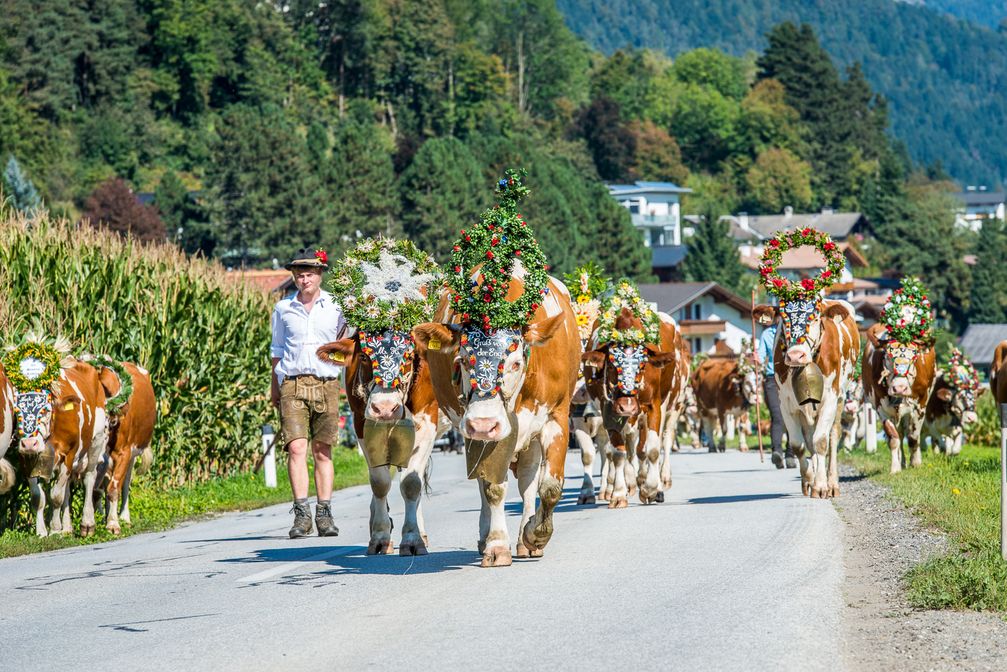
71	436
689	419
588	432
675	395
852	428
723	388
7	473
388	386
508	391
949	411
898	380
998	386
634	390
130	430
822	335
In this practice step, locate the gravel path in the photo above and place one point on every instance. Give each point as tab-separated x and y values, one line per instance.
881	631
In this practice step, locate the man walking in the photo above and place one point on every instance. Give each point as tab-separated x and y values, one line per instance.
306	389
767	342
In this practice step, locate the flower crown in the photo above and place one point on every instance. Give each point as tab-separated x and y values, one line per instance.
907	314
626	295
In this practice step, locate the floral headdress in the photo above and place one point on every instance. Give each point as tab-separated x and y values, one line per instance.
587	283
35	364
907	314
384	284
491	249
961	374
626	295
772	256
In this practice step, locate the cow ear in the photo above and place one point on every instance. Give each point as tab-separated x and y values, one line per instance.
764	314
659	360
338	352
836	311
877	335
593	358
109	381
944	394
540	332
435	336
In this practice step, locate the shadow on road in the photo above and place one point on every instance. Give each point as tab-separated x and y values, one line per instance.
729	499
354	560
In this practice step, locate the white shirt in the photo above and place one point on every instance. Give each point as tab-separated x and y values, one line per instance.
297	334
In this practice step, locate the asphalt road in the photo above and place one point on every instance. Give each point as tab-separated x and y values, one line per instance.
736	571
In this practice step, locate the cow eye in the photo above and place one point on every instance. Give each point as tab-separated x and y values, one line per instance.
514	367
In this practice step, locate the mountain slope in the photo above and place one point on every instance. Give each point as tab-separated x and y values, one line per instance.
986	12
944	78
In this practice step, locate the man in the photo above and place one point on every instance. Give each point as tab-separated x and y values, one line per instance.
767	343
306	389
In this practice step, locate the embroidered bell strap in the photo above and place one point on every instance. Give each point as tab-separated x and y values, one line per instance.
797	318
391	354
484	352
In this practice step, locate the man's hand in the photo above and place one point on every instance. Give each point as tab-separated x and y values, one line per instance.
274	395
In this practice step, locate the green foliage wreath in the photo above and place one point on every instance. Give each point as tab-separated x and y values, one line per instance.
45	353
116	404
490	249
961	373
626	295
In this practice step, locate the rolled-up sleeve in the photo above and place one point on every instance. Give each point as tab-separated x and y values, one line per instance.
276	347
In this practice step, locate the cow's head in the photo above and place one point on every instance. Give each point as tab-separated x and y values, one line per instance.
386	369
622	368
802	327
490	367
853	397
747	385
899	371
691	408
961	403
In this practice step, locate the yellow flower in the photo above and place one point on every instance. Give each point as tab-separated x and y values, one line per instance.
583	298
615	335
582	320
955	491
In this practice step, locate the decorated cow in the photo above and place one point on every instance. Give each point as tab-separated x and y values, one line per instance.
504	356
386	287
62	426
900	369
952	404
725	388
632	345
814	357
852	428
132	411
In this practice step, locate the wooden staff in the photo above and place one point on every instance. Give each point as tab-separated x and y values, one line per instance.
758	376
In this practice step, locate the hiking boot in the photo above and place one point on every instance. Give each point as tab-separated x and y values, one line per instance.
323	521
778	459
791	463
302	521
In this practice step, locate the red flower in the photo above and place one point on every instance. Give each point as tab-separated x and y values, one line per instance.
778	282
806	232
321	256
808	284
465	316
534	306
517	253
488	298
456	248
467	239
829	246
458	269
495	241
774	243
489	254
827	274
766	270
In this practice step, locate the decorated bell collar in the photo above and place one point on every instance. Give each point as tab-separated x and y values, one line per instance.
485	352
628	363
902	356
390	353
797	318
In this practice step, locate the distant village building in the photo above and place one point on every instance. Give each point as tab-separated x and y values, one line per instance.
979	205
655	209
978	343
707	313
839	225
275	282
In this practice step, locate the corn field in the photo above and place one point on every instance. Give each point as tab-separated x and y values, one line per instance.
204	340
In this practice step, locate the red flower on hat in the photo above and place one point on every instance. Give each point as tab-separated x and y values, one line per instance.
829	246
321	255
774	243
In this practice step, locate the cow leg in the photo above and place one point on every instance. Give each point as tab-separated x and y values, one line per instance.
913	439
895	445
411	485
124	494
707	422
529	468
484	519
38	503
650	463
380	522
834	459
957	440
59	496
587	454
669	445
822	446
798	446
496	542
121	469
553	440
722	440
606	477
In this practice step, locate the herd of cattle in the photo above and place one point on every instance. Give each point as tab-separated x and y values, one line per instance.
549	382
81	440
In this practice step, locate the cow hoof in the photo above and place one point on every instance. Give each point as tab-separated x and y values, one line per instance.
114	529
666	485
586	499
820	493
380	547
86	530
833	491
805	489
426	540
605	495
618	503
742	448
660	498
413	548
497	556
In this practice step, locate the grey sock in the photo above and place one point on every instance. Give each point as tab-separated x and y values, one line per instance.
303	501
323	502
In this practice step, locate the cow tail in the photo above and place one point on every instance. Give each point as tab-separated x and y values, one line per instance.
146	460
426	477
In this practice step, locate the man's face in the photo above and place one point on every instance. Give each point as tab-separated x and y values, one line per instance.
307	278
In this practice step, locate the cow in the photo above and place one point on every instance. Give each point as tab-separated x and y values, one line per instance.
675	391
130	430
509	392
723	388
7	473
949	411
67	442
817	337
586	425
852	428
689	418
388	384
898	380
634	390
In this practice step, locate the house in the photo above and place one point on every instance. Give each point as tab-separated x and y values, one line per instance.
839	225
978	343
275	282
978	205
706	313
655	210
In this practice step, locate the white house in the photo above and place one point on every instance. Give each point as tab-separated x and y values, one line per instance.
657	214
978	205
706	313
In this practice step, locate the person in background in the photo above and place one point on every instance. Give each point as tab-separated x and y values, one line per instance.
306	389
771	392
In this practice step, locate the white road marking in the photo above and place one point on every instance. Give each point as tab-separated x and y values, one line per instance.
286	567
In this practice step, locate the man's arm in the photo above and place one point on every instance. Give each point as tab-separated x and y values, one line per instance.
274	388
276	352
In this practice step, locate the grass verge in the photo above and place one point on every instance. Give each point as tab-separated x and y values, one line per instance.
153	509
961	497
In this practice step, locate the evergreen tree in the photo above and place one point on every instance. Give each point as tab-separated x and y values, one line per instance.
23	196
712	254
361	182
183	217
988	303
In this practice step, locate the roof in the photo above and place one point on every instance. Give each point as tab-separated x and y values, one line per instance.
976	198
270	280
837	224
805	258
670	296
645	187
980	340
668	256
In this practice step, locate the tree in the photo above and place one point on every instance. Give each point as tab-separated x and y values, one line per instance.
114	206
361	181
611	143
442	192
711	67
23	196
779	179
705	124
768	121
183	217
712	255
988	303
657	155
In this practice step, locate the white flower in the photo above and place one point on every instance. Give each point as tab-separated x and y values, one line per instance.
366	246
349	302
394	278
372	310
908	313
351	262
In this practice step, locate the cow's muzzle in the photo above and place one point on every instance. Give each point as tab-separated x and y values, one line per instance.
626	406
969	417
385	407
797	356
899	387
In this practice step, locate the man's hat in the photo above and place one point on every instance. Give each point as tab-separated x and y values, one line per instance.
314	257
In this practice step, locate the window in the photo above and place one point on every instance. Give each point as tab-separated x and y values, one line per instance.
697	311
697	345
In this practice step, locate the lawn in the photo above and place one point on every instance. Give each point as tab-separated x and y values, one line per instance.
153	509
960	496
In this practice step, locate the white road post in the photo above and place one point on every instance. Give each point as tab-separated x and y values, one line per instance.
870	428
269	459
